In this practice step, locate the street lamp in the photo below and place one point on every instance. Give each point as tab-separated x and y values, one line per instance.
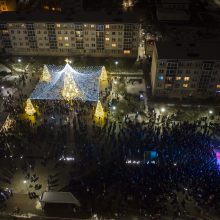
210	112
19	60
163	109
114	107
25	181
116	62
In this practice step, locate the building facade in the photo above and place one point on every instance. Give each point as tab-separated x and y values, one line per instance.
185	70
68	36
173	4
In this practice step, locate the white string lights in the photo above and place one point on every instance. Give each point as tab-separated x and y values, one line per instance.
69	83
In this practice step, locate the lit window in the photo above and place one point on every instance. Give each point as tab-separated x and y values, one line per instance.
107	38
185	85
58	25
186	78
66	38
92	25
60	38
168	85
178	78
113	45
66	44
169	78
160	77
46	7
107	26
127	51
218	86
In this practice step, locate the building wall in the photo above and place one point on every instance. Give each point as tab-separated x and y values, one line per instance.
185	78
117	40
62	5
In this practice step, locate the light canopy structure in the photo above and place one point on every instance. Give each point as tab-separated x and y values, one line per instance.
29	108
68	83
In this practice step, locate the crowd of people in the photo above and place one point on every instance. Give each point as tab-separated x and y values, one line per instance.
184	171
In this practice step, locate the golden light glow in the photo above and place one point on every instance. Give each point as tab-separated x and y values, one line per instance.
9	123
67	60
99	112
178	78
46	7
29	109
218	86
113	45
45	75
70	89
103	75
127	4
127	51
185	85
186	78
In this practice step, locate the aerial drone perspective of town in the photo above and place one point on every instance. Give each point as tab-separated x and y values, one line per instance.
110	109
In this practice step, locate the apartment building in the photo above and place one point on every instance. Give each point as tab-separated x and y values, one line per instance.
91	34
186	70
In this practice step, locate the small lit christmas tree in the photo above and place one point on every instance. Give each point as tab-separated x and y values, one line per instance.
45	75
29	109
70	89
103	75
99	112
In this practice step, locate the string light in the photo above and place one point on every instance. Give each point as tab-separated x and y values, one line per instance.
85	79
103	75
46	77
99	112
70	89
29	109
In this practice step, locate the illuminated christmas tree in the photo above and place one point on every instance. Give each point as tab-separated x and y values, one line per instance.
29	109
45	75
70	89
103	75
99	112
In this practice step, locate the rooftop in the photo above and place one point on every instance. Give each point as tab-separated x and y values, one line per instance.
44	16
59	197
203	50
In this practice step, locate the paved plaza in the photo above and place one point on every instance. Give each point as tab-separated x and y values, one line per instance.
63	147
